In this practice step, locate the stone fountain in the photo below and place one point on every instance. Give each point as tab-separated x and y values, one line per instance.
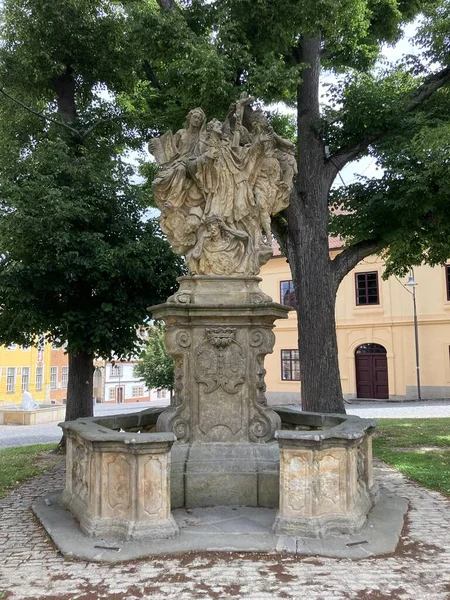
219	444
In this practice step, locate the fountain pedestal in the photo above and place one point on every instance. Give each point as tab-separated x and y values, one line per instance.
219	330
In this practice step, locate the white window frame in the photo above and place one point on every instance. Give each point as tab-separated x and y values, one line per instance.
64	377
112	394
137	391
10	380
116	371
53	378
25	379
39	378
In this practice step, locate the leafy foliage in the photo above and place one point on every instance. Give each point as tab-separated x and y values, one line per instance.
79	257
408	208
156	366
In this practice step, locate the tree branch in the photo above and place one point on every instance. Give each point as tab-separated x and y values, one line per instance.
430	85
167	4
351	256
151	75
88	131
38	114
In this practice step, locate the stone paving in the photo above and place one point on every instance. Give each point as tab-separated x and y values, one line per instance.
31	568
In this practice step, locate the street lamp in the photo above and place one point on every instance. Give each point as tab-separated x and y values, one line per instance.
412	284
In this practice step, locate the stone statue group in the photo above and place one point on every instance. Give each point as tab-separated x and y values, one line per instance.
218	186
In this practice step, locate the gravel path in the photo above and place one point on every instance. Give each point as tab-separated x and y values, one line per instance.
32	569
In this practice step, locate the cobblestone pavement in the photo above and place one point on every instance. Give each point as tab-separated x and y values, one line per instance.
31	568
17	435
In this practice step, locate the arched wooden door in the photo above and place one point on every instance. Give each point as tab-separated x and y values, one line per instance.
371	372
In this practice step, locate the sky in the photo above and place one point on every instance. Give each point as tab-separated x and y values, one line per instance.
366	166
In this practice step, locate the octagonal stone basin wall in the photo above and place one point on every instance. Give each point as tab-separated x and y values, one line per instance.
326	473
118	482
118	474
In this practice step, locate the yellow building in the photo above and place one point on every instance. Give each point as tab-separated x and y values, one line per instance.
375	331
25	369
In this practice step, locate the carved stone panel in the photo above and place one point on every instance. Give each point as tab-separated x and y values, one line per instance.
220	365
154	486
117	483
297	485
331	482
80	471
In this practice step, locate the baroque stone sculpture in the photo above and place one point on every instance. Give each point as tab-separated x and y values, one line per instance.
218	186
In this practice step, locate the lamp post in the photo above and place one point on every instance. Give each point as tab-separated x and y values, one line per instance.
412	284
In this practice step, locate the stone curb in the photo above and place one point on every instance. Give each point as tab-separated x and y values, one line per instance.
226	529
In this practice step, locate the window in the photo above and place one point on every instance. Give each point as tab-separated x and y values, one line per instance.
112	394
447	280
161	393
138	391
287	294
25	379
64	377
367	288
116	370
53	377
290	365
39	378
10	380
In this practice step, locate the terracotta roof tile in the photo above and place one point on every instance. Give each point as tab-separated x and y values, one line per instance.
333	244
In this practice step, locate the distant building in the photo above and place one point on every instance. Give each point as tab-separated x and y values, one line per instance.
121	385
25	369
375	332
59	374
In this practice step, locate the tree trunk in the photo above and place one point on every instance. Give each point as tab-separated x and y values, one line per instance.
317	342
80	386
307	246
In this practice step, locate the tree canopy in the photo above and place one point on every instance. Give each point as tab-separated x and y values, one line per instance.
156	367
115	73
80	258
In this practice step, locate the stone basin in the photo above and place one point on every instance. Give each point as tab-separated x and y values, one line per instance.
119	474
326	473
45	413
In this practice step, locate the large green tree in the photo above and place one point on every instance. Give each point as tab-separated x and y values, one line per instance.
278	50
79	259
159	58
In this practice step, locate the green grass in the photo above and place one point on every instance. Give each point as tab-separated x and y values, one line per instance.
23	462
419	448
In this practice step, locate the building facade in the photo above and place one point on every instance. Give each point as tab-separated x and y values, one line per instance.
375	332
121	385
59	375
25	369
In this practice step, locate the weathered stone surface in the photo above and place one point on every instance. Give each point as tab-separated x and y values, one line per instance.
218	187
225	475
219	329
326	480
37	416
118	484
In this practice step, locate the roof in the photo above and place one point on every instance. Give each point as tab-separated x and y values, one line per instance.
333	244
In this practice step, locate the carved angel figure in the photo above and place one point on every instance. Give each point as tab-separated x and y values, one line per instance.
218	187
